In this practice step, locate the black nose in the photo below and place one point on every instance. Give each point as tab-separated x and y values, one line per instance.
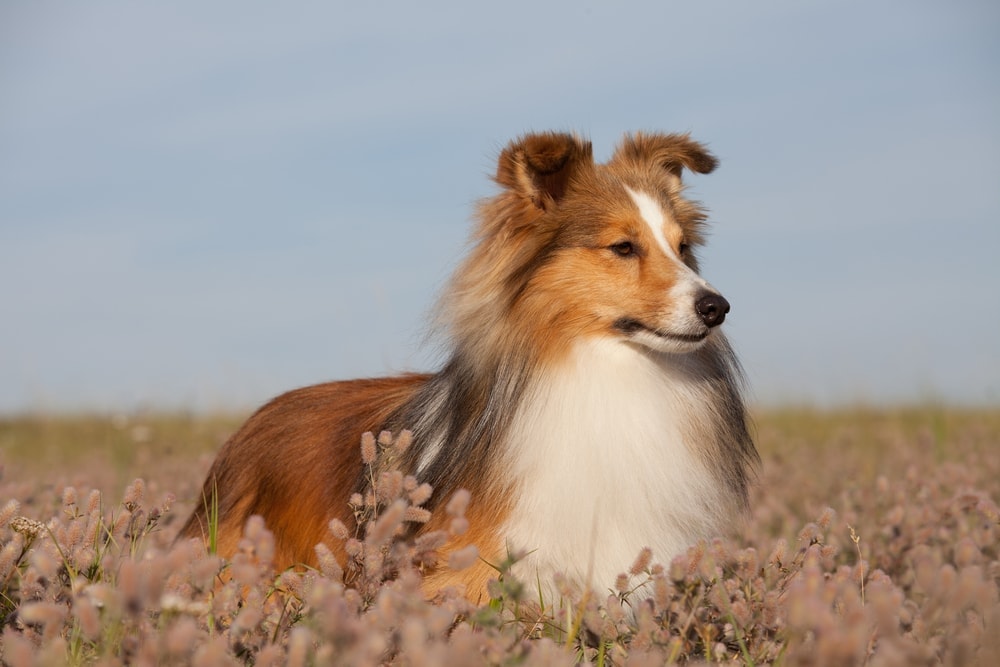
712	309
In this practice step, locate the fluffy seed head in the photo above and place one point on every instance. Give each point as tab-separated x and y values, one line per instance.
421	494
368	449
463	558
641	562
338	529
458	503
8	511
404	441
416	515
133	495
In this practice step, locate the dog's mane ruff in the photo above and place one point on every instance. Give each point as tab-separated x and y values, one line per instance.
464	411
724	426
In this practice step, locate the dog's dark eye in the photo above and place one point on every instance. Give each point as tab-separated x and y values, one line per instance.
683	249
623	249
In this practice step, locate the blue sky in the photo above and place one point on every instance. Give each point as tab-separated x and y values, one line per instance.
204	204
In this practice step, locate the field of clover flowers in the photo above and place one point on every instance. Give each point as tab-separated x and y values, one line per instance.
874	540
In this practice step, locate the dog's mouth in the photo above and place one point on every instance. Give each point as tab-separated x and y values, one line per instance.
629	326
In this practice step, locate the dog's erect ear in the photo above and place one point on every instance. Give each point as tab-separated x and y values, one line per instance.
673	152
540	166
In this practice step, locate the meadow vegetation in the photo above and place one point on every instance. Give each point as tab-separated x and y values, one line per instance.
874	540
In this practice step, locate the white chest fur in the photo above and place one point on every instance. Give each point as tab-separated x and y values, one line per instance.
605	456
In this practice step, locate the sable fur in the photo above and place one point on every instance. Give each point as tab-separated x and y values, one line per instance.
538	283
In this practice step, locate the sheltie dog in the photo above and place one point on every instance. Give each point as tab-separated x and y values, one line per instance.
589	402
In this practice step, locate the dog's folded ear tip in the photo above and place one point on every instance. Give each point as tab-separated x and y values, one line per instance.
539	165
674	152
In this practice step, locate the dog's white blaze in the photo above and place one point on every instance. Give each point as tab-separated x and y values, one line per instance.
685	290
652	215
604	454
